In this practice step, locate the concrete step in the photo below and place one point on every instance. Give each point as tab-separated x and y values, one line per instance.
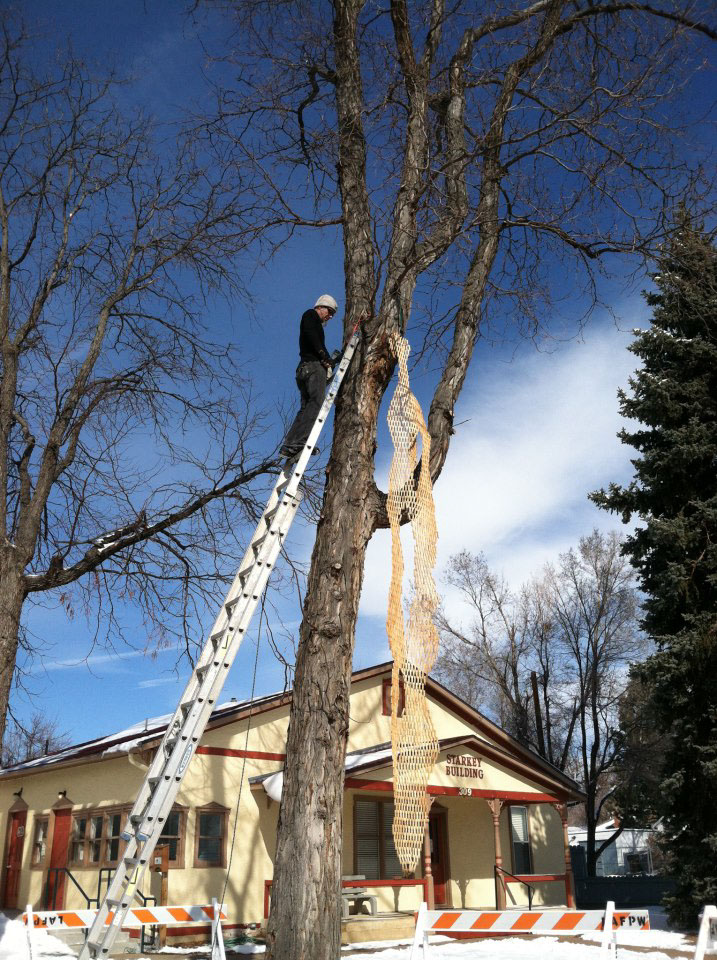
364	928
124	944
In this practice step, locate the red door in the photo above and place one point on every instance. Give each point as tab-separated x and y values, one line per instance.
13	858
439	856
58	858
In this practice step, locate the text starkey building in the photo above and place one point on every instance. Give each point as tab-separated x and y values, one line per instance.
497	829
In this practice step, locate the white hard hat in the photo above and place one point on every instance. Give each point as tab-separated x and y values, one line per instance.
326	300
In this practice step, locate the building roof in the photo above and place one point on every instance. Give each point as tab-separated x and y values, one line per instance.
133	738
146	733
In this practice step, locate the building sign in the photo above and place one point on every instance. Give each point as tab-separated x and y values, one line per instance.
464	765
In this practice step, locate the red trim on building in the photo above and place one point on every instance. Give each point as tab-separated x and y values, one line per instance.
248	754
386	685
493	753
354	783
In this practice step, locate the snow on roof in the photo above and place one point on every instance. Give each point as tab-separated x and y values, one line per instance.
273	783
129	739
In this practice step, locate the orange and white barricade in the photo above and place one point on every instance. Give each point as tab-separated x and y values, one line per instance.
502	922
136	917
707	937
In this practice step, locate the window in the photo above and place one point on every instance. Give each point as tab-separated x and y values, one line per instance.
386	697
77	843
637	862
520	840
39	842
173	835
374	852
95	838
607	865
94	846
210	834
112	836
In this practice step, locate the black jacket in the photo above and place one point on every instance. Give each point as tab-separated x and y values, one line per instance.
311	338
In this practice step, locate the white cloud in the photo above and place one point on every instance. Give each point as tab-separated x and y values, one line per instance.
541	434
158	682
94	660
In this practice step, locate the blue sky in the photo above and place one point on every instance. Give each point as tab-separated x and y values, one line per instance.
536	429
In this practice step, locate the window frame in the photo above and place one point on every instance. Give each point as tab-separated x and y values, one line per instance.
39	864
123	813
178	863
381	801
104	839
77	843
528	843
386	685
223	813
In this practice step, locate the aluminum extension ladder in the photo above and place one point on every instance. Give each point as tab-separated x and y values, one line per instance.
184	731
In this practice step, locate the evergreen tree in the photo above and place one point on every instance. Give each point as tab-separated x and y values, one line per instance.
674	495
640	756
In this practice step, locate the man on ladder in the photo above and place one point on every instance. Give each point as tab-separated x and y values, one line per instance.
315	365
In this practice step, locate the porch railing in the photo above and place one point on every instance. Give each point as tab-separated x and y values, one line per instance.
50	899
147	934
529	887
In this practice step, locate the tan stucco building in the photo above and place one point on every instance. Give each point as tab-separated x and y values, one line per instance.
498	809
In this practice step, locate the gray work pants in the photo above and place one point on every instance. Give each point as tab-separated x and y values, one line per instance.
311	381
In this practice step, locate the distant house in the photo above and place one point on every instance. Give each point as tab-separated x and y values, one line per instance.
630	854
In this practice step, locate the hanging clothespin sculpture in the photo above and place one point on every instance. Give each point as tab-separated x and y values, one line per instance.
414	645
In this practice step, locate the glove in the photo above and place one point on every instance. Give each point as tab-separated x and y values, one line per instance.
335	357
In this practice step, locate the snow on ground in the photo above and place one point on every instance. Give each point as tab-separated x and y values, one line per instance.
14	946
504	948
14	943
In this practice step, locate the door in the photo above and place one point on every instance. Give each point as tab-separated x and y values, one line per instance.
437	832
58	858
13	858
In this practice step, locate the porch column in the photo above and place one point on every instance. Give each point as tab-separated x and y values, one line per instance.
496	806
562	809
427	870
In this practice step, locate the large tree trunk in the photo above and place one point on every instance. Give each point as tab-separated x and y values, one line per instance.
305	909
307	869
11	599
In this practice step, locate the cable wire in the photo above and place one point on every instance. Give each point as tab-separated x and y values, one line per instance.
243	766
